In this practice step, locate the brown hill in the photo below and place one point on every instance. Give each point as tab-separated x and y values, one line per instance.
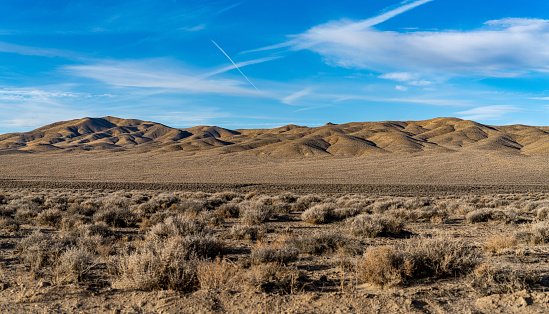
291	141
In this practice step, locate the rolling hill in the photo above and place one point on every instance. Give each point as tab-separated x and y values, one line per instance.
290	141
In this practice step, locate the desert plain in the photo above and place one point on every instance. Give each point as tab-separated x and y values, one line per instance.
129	216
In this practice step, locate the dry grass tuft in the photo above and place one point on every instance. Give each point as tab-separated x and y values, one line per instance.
486	280
419	258
487	214
499	244
376	225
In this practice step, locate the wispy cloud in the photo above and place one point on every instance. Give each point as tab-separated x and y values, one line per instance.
500	48
290	99
160	74
35	51
487	112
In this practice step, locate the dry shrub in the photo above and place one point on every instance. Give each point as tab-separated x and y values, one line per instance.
244	232
192	206
211	218
228	210
487	280
304	202
51	218
486	214
375	225
253	213
419	258
75	265
427	213
173	226
382	266
275	278
115	217
498	244
543	213
8	224
162	266
217	274
537	233
40	250
325	243
318	214
165	200
282	254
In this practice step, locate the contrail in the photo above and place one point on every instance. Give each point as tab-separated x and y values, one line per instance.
226	55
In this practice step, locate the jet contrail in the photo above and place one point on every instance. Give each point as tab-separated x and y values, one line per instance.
226	55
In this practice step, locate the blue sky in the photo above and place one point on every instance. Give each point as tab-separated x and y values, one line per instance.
300	62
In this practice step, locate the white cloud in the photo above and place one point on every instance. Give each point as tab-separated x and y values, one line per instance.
500	48
487	112
399	76
290	99
157	74
401	88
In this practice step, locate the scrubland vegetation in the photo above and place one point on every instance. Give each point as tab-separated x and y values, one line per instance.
434	253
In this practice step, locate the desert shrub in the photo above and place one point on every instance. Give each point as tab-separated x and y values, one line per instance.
217	274
71	222
275	278
382	266
228	210
244	232
211	218
487	280
8	224
7	210
286	197
281	208
115	217
145	209
486	214
39	250
115	200
253	213
26	211
543	213
283	254
165	200
57	202
306	201
75	265
341	213
163	266
50	217
174	226
381	206
537	233
425	213
325	243
375	225
191	206
422	257
498	244
226	196
319	214
79	209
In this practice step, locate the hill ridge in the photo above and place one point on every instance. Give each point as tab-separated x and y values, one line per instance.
443	134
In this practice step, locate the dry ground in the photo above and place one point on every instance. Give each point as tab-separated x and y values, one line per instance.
143	251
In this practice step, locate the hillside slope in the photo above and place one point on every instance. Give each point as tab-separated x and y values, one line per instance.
291	141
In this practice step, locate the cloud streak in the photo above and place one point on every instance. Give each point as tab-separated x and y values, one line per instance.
487	112
156	74
506	47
